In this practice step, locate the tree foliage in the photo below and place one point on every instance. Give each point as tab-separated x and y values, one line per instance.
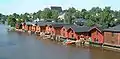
11	21
95	16
55	14
46	13
70	15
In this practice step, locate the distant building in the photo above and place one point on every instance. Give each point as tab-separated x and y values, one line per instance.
36	20
79	21
61	16
56	8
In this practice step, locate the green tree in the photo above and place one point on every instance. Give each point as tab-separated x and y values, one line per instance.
55	15
38	14
11	21
77	14
70	15
83	13
25	17
46	13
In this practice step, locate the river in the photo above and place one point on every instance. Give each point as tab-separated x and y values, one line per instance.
17	45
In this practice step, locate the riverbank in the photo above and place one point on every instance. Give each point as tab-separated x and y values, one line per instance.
43	36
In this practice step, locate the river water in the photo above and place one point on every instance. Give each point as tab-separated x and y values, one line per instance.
17	45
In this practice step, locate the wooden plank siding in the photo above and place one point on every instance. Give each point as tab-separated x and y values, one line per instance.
97	36
48	29
33	28
43	28
23	26
55	30
112	38
38	29
30	27
64	32
26	28
73	35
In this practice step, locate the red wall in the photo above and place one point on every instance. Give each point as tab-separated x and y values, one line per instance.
26	27
38	28
55	30
48	29
33	28
118	38
30	28
112	38
23	27
64	33
97	34
72	34
52	30
43	28
77	35
83	35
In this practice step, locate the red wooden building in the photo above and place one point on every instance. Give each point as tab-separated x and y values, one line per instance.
23	26
18	26
77	32
55	28
64	31
48	29
38	29
112	36
41	26
34	25
97	35
28	26
33	28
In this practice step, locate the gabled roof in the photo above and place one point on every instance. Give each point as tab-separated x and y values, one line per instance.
58	24
54	24
28	23
42	23
67	26
113	29
78	29
96	27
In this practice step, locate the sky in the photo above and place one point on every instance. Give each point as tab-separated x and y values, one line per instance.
30	6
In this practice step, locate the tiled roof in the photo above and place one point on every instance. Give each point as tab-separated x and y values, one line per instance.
67	26
113	29
28	23
58	24
81	29
41	23
98	28
54	24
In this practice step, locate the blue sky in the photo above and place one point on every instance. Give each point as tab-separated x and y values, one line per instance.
22	6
